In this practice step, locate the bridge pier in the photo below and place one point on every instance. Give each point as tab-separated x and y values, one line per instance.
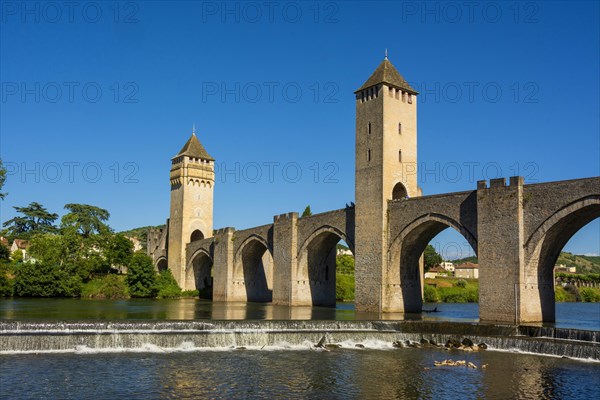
285	238
223	265
500	249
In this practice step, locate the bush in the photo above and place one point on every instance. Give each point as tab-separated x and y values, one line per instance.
166	285
344	287
573	291
458	295
561	295
110	287
430	294
461	283
190	293
45	280
141	277
6	285
589	294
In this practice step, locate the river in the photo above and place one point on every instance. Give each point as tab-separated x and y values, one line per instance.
568	315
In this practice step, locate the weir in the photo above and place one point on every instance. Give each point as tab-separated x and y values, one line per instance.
86	336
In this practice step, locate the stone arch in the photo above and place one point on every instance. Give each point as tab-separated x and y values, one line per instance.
196	235
543	248
162	264
317	266
253	265
399	191
403	277
198	274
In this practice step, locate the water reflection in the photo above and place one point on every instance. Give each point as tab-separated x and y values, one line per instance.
569	315
340	374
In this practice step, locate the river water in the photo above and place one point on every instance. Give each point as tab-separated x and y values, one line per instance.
281	370
568	315
339	374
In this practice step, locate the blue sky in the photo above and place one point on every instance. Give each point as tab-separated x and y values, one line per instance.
97	97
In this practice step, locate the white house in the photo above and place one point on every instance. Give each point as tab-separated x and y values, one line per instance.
448	266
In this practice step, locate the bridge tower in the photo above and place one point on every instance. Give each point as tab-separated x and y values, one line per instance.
386	169
191	218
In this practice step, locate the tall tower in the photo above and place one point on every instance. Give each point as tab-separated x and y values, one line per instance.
386	169
191	218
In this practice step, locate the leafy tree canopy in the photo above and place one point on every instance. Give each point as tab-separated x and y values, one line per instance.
141	277
34	219
307	212
2	179
432	258
86	219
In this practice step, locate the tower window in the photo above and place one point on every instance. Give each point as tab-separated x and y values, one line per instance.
369	155
409	98
399	128
369	129
391	91
404	97
397	94
400	155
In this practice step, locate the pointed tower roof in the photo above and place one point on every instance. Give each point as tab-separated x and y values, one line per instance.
387	73
193	148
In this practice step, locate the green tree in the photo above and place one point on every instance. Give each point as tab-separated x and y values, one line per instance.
166	285
118	250
307	212
34	219
141	278
45	280
86	219
2	180
4	253
345	264
432	258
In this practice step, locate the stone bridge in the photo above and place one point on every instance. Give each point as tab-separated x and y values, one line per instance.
516	230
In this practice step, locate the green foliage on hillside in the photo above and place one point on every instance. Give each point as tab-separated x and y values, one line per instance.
141	234
471	259
344	278
582	264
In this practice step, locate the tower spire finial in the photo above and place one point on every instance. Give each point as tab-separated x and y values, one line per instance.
194	128
386	53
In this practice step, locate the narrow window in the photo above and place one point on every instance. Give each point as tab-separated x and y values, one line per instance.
369	155
391	91
399	128
369	128
400	155
409	98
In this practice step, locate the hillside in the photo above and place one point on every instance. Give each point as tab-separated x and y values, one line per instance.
583	264
140	233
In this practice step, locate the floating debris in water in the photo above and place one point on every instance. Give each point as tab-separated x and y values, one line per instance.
458	363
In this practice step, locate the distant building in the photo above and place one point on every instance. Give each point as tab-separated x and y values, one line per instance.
343	252
448	266
467	271
564	268
435	272
20	244
137	245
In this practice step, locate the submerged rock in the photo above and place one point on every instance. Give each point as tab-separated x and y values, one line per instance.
398	344
362	346
467	342
482	346
331	346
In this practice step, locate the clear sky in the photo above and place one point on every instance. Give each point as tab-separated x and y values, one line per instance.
96	98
